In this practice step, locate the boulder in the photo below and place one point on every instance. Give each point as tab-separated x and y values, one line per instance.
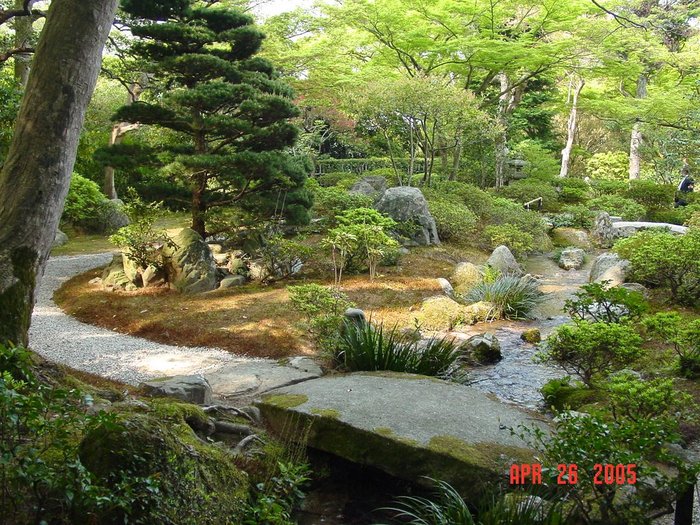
190	265
442	313
636	287
446	286
609	267
503	260
465	277
152	276
216	248
532	336
221	258
405	425
130	269
483	348
628	228
480	312
60	239
355	316
192	389
237	266
407	205
114	276
572	258
603	233
571	237
232	282
111	216
373	186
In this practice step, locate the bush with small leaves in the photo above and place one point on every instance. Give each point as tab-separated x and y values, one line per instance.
628	209
602	187
591	350
663	259
601	304
454	221
282	257
610	165
518	241
331	202
671	328
581	215
336	178
651	195
523	191
82	206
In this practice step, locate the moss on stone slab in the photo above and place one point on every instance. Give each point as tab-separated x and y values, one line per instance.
285	400
325	412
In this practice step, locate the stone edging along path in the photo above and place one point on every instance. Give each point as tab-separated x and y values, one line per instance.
60	338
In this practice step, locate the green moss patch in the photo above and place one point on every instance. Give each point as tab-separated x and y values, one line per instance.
325	412
285	400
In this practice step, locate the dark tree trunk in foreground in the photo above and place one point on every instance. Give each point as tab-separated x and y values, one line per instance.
35	177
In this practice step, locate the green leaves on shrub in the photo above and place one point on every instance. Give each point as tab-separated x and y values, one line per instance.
636	399
662	259
523	191
670	328
597	303
589	350
628	209
365	347
83	202
611	165
454	221
514	297
651	195
282	257
331	202
518	241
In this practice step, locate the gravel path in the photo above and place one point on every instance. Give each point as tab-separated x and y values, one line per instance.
62	339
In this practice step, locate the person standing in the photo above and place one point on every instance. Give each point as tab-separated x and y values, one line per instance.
686	185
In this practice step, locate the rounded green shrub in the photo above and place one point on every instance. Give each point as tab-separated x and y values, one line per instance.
454	221
326	180
628	209
331	202
523	191
518	241
610	165
601	187
83	202
651	195
474	198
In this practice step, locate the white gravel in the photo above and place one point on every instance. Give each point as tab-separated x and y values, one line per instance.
62	339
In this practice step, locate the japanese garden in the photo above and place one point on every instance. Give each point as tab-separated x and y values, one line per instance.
349	262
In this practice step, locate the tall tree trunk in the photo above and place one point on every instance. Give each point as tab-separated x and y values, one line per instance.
199	182
636	138
119	130
23	37
456	158
35	177
571	131
502	139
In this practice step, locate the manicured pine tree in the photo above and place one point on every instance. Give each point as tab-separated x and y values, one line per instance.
229	112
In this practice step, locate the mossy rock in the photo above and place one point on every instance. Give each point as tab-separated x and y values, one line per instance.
442	313
561	394
465	277
532	336
180	479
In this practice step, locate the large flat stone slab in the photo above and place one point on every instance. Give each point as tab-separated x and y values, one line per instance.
408	426
628	228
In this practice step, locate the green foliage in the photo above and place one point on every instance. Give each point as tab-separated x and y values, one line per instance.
365	347
332	202
446	507
588	440
324	308
575	216
40	429
635	399
623	207
651	195
562	394
11	95
140	241
611	165
518	241
589	350
275	500
670	328
82	203
515	297
474	198
454	221
522	191
660	258
694	221
282	257
601	304
604	187
541	162
337	178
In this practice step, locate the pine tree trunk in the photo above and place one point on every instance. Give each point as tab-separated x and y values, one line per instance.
571	131
636	138
35	177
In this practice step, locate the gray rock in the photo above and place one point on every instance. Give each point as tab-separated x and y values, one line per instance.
190	265
407	205
572	258
483	348
609	267
503	260
114	276
60	239
636	287
628	228
240	380
373	186
192	389
221	258
233	281
603	234
571	237
408	426
216	248
111	216
446	286
355	316
152	276
238	266
306	365
131	269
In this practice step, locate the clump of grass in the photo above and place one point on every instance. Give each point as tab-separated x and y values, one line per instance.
366	347
515	297
447	507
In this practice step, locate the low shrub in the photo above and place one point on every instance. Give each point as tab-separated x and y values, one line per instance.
331	202
518	241
628	209
327	180
365	347
514	297
670	328
282	257
573	191
523	191
636	399
561	394
662	259
474	198
602	187
610	165
651	195
590	350
580	215
596	303
454	221
83	203
507	212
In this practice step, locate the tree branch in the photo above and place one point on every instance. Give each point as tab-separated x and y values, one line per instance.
4	57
